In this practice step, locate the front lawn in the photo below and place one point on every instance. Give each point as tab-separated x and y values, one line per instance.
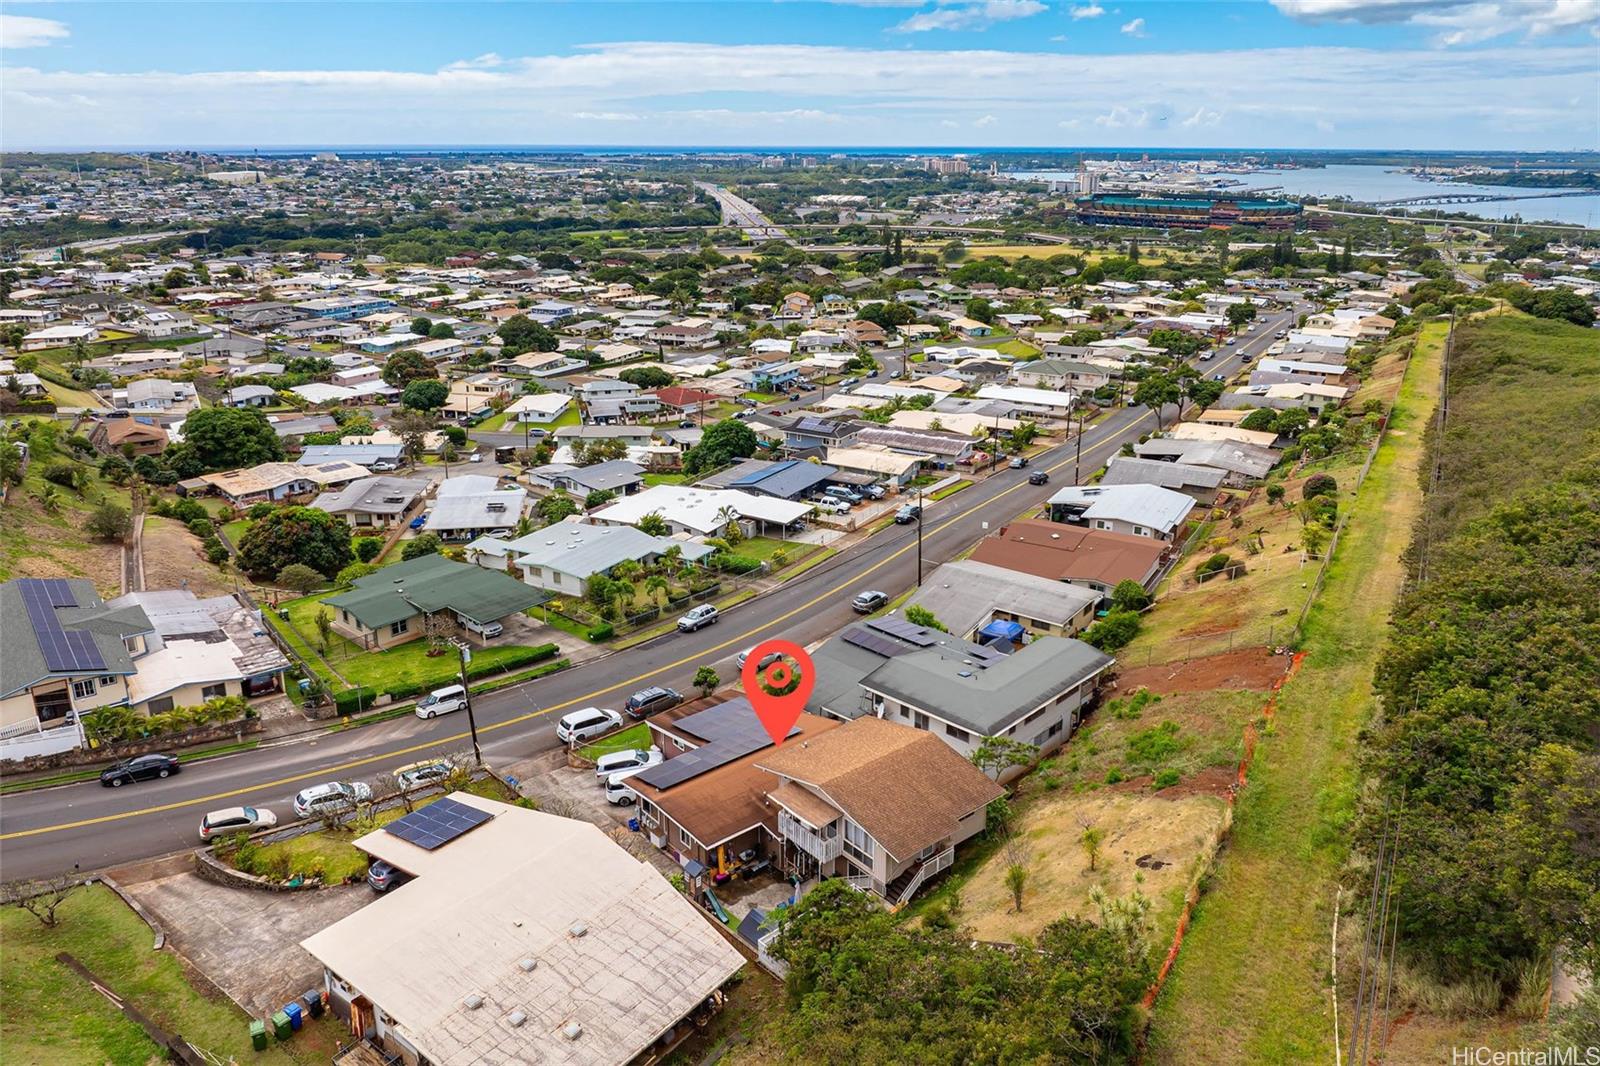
666	479
54	1016
408	664
1017	349
764	548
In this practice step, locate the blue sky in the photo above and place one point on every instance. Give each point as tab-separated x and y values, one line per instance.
1490	74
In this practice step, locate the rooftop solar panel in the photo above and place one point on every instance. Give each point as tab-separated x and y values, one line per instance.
732	731
438	823
64	652
921	636
876	643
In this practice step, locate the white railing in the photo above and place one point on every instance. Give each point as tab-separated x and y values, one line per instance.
859	882
764	953
807	839
42	741
938	864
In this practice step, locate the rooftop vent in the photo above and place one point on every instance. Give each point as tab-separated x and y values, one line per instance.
964	673
515	1019
528	965
472	1002
578	929
572	1030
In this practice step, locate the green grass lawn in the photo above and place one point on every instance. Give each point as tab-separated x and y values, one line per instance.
380	670
764	548
666	479
764	397
637	736
52	1014
950	490
234	531
491	424
1017	349
1250	984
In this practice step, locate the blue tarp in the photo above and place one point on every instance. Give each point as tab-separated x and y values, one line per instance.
1001	630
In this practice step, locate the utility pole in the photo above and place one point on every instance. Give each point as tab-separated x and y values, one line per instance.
465	657
1078	457
919	536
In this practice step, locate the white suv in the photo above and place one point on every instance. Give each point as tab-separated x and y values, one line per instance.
618	794
631	759
587	723
698	618
333	796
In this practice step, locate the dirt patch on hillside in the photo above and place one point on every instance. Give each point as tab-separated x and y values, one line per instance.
172	557
1212	781
1244	668
1151	842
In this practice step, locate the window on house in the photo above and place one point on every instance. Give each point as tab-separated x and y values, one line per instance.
397	628
159	705
857	844
107	679
920	720
956	734
214	692
1140	531
82	690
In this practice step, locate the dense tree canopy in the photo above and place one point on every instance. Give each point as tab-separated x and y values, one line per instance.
647	377
425	394
722	443
406	366
222	438
522	334
291	535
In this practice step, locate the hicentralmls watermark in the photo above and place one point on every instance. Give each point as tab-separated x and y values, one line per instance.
1570	1055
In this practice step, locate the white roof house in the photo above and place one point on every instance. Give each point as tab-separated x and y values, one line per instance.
526	938
471	505
1156	511
1042	401
538	407
700	512
564	556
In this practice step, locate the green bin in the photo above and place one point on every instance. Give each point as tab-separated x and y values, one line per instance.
258	1034
280	1025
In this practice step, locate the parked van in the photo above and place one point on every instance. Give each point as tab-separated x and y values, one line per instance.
442	701
833	506
585	724
839	492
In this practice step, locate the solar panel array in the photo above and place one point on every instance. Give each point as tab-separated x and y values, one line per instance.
732	731
876	643
65	651
920	636
438	823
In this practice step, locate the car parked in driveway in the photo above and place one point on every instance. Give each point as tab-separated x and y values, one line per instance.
586	723
629	759
140	768
869	601
236	820
648	701
698	618
333	796
382	876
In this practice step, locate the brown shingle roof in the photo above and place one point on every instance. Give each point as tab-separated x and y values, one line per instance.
725	802
808	805
1059	551
904	786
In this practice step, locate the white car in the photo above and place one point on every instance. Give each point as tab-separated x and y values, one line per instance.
236	820
618	794
766	660
631	759
442	701
333	796
698	618
585	724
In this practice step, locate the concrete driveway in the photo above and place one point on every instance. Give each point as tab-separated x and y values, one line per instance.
245	941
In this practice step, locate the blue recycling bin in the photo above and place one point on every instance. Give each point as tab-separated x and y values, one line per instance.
296	1015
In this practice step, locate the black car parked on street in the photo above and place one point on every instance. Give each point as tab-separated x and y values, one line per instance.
140	768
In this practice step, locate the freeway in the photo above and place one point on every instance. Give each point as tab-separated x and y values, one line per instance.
84	826
737	211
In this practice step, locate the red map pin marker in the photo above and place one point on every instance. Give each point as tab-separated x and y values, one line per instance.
792	676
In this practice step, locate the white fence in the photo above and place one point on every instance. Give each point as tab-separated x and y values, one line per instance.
39	741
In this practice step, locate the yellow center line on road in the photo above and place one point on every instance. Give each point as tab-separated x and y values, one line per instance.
587	697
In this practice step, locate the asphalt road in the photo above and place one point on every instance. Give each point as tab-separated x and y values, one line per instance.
86	827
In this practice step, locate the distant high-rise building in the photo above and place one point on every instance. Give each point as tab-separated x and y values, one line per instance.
948	166
1088	181
772	162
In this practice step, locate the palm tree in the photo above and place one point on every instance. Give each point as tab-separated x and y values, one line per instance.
523	527
626	570
623	593
658	588
728	522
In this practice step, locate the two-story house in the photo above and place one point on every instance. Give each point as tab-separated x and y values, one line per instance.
875	802
475	395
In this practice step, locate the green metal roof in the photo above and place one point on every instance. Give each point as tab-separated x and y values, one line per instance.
433	583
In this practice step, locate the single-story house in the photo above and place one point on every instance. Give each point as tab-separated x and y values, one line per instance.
561	558
469	506
390	607
967	595
619	476
116	433
538	408
703	512
1094	558
374	502
787	479
527	938
1143	510
1200	483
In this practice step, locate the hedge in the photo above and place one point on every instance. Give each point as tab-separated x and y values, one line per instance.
352	700
603	631
520	657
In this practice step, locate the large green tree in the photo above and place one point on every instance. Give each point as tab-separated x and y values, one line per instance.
222	438
522	334
425	394
646	377
291	535
404	367
722	443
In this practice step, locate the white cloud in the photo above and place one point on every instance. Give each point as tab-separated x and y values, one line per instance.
606	116
970	16
1324	126
1134	28
986	120
1203	116
1087	11
949	123
1120	118
25	31
1456	22
487	61
1058	38
1508	96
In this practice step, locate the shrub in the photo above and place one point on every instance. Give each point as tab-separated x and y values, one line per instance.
1129	595
186	510
1213	565
202	527
1113	631
730	563
109	522
367	548
350	574
1166	778
1155	745
259	510
1113	776
1319	485
427	544
603	631
352	700
299	577
1274	492
455	435
216	551
64	473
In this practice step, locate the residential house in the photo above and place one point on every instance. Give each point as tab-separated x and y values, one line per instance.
1200	483
880	804
1241	464
617	476
968	596
382	456
469	506
1060	374
157	394
274	482
698	512
538	409
59	337
808	432
893	468
787	479
865	334
1094	558
393	605
1043	403
475	395
683	335
1140	509
199	650
971	328
250	396
945	448
528	938
374	503
119	432
686	401
564	557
